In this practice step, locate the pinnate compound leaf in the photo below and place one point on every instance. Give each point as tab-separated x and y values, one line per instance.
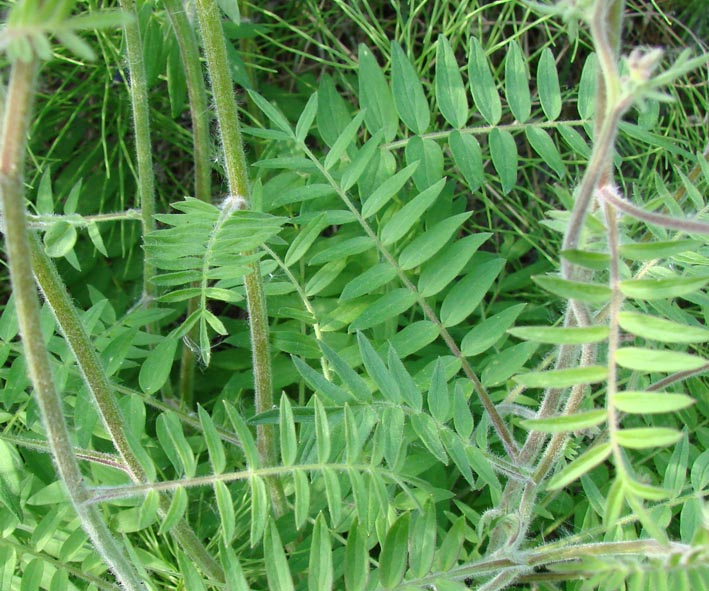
375	96
438	398
503	151
639	402
409	97
407	387
580	466
560	335
501	367
320	576
656	289
319	384
645	437
277	570
548	85
387	306
468	158
360	162
393	559
404	219
344	140
560	424
349	377
517	83
563	378
592	293
156	368
482	84
369	281
425	427
304	240
450	91
377	370
642	359
467	293
660	329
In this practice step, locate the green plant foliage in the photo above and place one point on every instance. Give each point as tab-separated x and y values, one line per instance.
472	278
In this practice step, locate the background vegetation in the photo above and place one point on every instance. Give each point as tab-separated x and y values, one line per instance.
466	392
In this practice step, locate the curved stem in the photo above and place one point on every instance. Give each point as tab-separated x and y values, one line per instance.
14	133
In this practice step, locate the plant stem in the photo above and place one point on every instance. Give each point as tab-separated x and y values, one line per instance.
199	111
141	124
237	178
14	133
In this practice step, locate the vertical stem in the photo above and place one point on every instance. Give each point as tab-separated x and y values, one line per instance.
237	178
141	124
201	143
14	133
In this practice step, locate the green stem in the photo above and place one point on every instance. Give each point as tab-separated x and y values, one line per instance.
237	178
14	133
199	111
141	124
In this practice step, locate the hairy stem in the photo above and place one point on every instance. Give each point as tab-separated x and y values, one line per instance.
197	94
141	124
237	178
14	132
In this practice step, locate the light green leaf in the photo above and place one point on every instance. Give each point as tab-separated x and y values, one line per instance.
427	244
660	329
333	493
369	281
561	335
244	434
225	505
302	497
333	116
378	371
488	332
592	293
392	561
156	368
450	91
598	261
360	162
429	155
233	571
580	466
482	84
646	491
517	83
586	103
45	195
456	450
407	387
305	121
343	141
95	237
375	96
175	511
468	158
560	424
349	377
422	540
563	378
440	271
656	289
172	439
260	508
356	559
638	402
408	93
340	249
304	240
468	292
646	251
320	574
548	85
387	190
191	577
427	430
403	220
387	306
438	399
322	432
501	367
277	571
652	360
213	441
331	271
414	337
451	546
575	141
275	116
543	145
503	151
288	439
59	239
645	437
462	417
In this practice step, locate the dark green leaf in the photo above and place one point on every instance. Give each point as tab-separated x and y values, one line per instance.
503	151
468	292
387	306
429	155
392	561
517	83
482	84
277	571
402	221
548	85
320	574
450	91
440	271
375	97
408	93
427	244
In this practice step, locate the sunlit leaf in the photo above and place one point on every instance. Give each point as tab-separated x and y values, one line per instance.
645	437
562	423
642	359
581	465
660	329
638	402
